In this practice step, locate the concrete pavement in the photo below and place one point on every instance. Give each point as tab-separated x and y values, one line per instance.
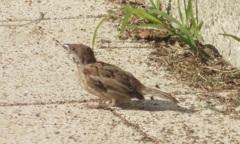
41	101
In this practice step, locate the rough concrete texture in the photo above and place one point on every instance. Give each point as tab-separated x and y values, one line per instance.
41	101
218	17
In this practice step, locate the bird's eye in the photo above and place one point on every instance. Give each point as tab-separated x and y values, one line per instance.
73	49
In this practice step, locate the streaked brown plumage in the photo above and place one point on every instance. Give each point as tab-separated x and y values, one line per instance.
107	81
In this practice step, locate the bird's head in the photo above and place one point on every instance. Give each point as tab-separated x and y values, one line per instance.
81	54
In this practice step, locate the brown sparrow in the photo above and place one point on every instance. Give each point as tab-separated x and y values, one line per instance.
107	81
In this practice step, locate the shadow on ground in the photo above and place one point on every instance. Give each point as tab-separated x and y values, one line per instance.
154	105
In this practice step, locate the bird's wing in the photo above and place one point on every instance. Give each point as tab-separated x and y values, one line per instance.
106	77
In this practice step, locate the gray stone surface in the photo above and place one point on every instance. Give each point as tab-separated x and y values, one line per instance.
41	101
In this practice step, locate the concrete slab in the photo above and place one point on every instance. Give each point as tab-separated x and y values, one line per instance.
71	123
41	101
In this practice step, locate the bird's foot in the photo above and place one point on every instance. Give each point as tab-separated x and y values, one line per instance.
99	106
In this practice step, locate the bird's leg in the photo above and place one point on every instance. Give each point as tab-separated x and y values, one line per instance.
99	106
106	106
100	100
114	102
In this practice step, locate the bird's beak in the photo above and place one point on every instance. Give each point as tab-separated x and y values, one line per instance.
66	47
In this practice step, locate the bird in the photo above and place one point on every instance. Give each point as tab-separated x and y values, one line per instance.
107	81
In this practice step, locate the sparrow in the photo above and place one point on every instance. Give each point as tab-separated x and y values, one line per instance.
108	81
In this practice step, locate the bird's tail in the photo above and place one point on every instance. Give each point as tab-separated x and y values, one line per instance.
158	93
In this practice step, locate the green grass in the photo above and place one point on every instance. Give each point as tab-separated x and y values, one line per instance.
98	26
232	36
187	28
238	105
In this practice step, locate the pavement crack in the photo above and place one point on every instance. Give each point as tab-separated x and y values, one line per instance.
42	18
42	103
145	137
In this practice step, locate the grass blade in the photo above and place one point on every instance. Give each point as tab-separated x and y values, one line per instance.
159	5
145	26
124	22
189	11
191	41
143	14
232	36
95	31
180	13
166	16
153	4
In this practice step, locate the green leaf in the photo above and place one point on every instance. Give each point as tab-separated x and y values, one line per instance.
124	22
153	4
145	25
180	13
95	31
199	37
159	5
189	11
199	27
143	14
191	41
166	16
232	36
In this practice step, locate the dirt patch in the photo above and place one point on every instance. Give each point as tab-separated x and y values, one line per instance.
207	71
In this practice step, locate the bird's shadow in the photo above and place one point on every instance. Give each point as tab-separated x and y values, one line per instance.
154	105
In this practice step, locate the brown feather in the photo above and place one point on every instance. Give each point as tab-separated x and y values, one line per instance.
112	78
